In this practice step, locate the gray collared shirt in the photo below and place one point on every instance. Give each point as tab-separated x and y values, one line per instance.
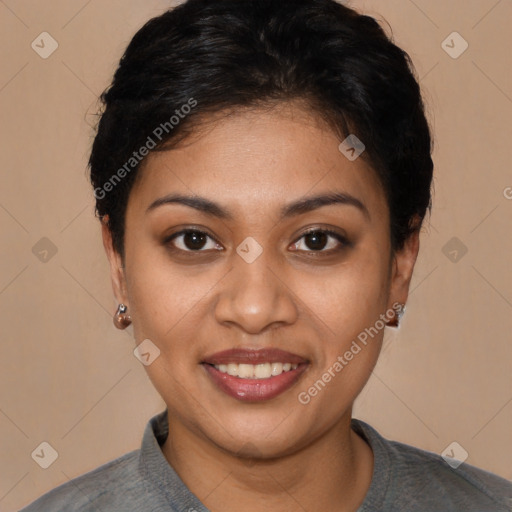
405	479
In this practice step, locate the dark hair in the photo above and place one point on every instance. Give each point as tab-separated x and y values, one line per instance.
211	56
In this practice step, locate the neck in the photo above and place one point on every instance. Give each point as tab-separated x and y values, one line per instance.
332	473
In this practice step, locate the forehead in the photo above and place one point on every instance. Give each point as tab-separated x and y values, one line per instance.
259	159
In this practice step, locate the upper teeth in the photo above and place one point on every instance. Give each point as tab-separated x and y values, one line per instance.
255	371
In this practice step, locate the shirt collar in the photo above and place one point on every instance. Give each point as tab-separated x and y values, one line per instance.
158	473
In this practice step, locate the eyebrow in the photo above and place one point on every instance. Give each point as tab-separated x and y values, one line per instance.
296	208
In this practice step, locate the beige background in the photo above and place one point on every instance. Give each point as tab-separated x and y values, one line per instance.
69	378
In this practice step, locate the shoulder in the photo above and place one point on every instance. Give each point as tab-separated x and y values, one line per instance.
418	479
464	486
114	483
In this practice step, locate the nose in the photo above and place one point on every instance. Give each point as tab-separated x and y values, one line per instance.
255	297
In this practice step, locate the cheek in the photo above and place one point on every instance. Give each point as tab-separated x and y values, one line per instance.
354	295
167	302
166	309
349	305
161	300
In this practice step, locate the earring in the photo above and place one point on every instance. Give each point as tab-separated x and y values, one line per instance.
121	319
395	321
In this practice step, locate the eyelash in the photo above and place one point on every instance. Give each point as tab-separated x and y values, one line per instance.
340	238
344	242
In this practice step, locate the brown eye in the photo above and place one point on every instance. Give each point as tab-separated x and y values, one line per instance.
321	240
316	240
192	241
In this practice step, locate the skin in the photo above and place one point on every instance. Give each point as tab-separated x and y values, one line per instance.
277	455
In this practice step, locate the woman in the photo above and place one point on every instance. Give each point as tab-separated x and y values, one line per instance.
262	171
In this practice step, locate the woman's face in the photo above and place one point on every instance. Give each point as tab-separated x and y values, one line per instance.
248	276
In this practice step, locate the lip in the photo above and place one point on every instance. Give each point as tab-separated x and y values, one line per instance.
254	390
251	356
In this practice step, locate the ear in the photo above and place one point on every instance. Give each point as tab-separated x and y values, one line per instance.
116	264
402	268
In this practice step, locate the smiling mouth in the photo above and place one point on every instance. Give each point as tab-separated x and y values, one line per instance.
255	371
254	375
